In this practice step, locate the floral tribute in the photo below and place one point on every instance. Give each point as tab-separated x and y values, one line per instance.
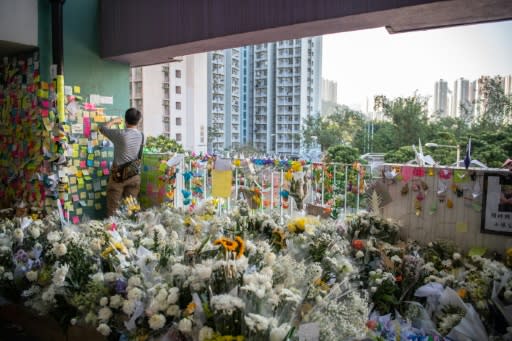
168	274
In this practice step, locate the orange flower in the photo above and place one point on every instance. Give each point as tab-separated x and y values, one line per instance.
241	247
358	244
189	310
462	293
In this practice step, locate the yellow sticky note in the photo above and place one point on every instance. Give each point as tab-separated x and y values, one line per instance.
79	211
44	85
88	187
461	227
90	203
76	89
221	183
83	195
98	206
80	183
97	195
73	189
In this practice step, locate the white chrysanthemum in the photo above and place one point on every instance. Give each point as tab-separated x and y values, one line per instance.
134	281
59	249
279	333
5	249
269	258
116	301
104	301
8	276
359	254
257	283
226	304
96	244
73	321
34	231
157	321
104	314
59	276
206	333
256	323
31	276
135	294
180	270
456	256
104	329
18	234
173	311
49	295
128	307
53	236
185	325
111	276
174	294
97	277
373	289
396	259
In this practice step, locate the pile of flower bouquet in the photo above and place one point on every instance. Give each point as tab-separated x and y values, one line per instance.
248	275
187	275
430	290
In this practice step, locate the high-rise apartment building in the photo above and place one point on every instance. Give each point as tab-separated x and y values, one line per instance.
441	100
329	96
253	95
172	98
463	97
224	99
287	78
507	85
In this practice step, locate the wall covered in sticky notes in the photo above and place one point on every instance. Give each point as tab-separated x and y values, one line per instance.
27	142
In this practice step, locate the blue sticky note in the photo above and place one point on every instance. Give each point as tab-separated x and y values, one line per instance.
90	163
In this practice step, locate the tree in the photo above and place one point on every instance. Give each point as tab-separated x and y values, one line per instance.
340	127
409	119
342	154
401	155
495	106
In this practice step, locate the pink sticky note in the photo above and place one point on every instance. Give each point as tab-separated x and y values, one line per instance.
44	112
106	171
103	164
89	106
87	126
45	104
76	220
406	173
420	171
83	164
75	197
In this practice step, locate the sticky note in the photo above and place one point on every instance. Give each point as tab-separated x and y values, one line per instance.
76	219
106	171
83	195
88	187
97	206
79	211
221	183
90	163
99	173
75	197
82	164
73	189
103	182
97	195
44	112
76	89
97	186
103	164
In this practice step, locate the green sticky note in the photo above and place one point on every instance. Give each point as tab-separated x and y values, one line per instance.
477	251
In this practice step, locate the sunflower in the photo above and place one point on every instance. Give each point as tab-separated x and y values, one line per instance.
228	244
241	247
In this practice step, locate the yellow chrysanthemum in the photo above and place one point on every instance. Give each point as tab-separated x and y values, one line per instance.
296	166
190	309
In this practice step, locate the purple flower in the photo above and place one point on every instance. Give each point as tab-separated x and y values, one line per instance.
120	286
21	256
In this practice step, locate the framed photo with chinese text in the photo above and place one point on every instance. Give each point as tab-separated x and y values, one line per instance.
497	204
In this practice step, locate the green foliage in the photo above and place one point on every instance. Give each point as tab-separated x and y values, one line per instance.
496	107
342	154
162	144
401	155
341	126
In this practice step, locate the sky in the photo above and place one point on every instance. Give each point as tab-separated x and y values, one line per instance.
370	62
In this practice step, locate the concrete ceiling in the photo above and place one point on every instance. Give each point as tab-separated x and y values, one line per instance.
154	31
8	48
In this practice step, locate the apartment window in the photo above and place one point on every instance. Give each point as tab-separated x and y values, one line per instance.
178	121
202	134
178	89
178	73
178	137
178	105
